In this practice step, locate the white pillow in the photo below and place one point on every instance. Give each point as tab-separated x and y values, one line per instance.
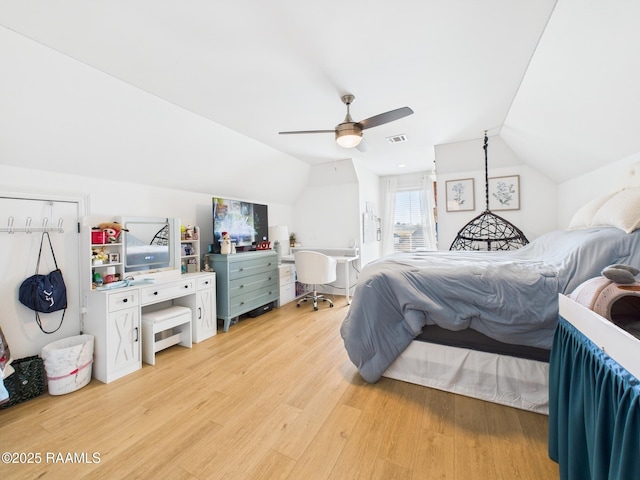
584	216
622	211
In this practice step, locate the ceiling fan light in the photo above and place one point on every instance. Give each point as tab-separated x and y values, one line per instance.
348	135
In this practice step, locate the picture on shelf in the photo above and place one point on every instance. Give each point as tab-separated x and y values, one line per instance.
114	257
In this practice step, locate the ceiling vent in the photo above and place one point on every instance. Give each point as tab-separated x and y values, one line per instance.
397	138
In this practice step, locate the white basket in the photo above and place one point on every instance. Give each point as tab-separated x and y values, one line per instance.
67	363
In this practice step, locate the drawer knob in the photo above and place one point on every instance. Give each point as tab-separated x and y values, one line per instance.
125	300
155	293
186	286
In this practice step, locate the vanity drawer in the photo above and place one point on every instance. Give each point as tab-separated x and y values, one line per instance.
166	291
121	300
206	281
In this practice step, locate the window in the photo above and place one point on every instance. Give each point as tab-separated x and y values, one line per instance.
408	213
408	224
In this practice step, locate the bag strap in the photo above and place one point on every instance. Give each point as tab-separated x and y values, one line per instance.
40	251
38	321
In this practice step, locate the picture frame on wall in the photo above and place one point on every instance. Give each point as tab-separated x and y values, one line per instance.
460	195
504	193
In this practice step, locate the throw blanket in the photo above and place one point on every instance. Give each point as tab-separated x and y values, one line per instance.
511	296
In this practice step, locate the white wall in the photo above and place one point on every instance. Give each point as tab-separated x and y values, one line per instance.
107	199
326	212
538	194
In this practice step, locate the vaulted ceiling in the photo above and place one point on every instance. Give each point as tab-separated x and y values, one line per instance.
556	80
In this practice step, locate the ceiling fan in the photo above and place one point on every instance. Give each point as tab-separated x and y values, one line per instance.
349	133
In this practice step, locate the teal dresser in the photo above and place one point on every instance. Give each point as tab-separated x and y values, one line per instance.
245	281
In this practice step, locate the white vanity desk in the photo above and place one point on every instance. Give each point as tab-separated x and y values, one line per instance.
113	317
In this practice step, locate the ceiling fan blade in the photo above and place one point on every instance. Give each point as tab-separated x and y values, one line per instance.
386	117
363	146
307	131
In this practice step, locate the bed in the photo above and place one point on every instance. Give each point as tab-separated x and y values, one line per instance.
477	323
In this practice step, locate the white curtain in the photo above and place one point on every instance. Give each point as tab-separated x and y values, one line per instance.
427	214
389	189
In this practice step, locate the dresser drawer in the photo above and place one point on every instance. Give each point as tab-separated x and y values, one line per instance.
245	268
287	293
166	291
287	274
244	303
122	300
250	284
206	281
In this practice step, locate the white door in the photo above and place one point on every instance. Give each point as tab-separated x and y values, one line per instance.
206	323
124	340
21	222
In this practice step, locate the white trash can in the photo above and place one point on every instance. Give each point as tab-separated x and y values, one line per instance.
67	363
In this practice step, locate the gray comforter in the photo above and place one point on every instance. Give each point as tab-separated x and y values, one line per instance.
510	296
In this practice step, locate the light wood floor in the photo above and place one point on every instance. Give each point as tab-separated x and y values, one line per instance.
274	398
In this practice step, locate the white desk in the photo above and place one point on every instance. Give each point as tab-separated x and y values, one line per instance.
341	259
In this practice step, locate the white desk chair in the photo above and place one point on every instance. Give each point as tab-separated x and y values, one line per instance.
315	268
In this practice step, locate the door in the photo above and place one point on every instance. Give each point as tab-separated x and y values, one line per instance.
21	223
124	341
206	321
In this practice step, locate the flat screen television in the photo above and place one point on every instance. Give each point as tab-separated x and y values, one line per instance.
247	223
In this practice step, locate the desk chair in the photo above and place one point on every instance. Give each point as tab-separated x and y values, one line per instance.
315	268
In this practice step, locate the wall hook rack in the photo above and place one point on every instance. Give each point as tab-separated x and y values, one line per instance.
11	229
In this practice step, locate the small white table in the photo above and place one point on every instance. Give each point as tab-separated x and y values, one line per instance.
346	261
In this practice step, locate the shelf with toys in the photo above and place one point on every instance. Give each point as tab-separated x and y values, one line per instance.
107	252
189	249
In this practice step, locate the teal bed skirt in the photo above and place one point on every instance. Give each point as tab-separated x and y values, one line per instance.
594	411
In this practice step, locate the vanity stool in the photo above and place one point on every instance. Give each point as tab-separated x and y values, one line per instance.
164	328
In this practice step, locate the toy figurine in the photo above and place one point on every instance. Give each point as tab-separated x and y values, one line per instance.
99	256
225	247
112	231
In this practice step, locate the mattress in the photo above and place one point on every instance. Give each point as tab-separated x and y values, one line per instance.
475	340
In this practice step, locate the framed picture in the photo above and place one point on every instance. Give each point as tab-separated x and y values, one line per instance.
460	195
504	193
114	257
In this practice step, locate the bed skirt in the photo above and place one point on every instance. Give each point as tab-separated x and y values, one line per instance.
502	379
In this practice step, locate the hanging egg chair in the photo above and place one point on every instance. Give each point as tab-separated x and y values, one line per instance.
488	231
